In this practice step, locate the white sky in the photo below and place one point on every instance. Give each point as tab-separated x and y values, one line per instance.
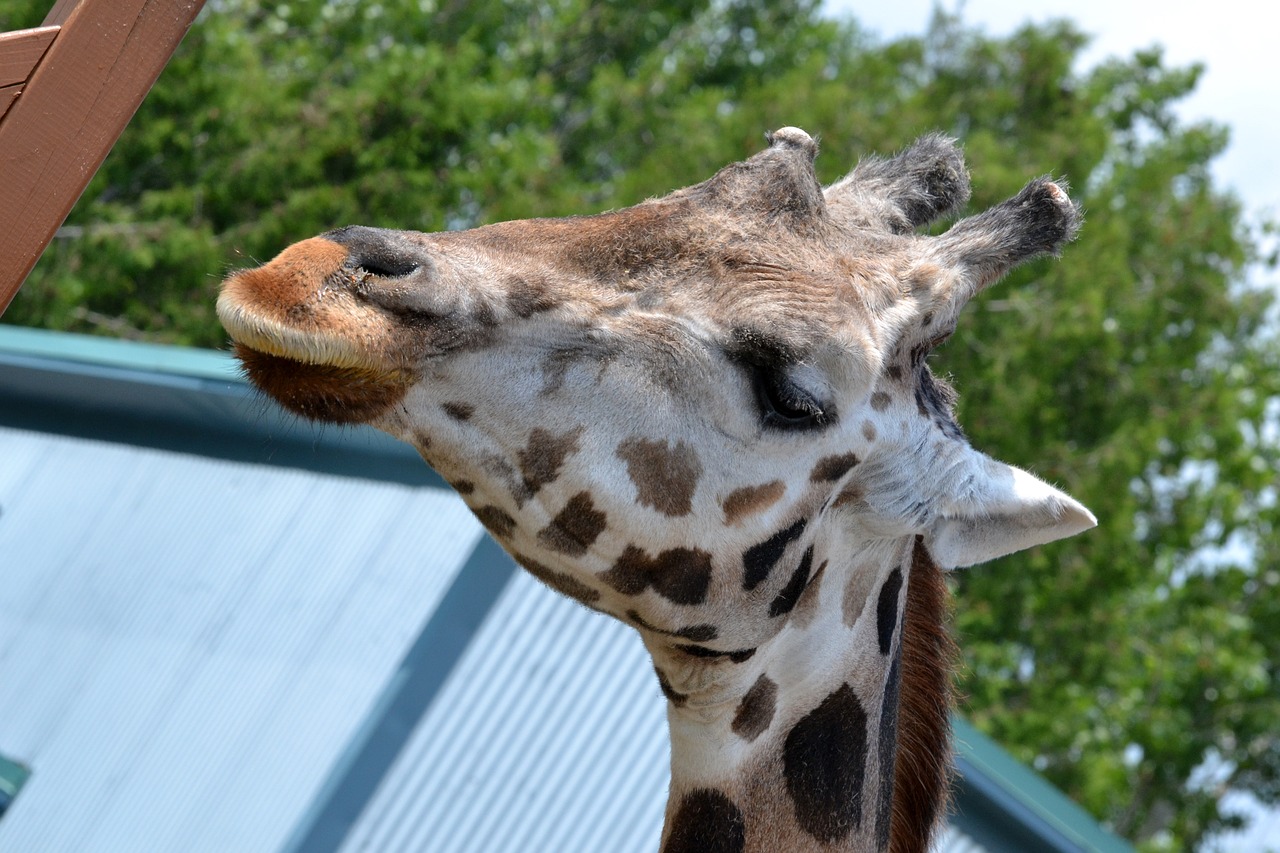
1235	39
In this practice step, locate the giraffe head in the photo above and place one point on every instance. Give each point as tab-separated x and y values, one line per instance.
681	412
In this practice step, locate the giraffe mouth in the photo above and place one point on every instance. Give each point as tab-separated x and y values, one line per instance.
333	393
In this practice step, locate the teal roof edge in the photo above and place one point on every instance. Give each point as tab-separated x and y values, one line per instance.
179	399
1014	788
127	355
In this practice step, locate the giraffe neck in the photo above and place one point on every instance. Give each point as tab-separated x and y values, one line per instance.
833	737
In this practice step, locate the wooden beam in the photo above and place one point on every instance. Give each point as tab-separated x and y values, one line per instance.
20	52
7	96
58	131
61	10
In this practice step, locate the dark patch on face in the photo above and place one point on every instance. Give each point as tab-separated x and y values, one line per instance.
880	401
887	610
832	468
703	652
575	528
888	740
421	440
559	581
529	296
751	499
463	487
894	372
595	352
824	758
697	633
936	400
496	521
541	460
665	477
707	822
759	560
677	699
459	411
868	430
681	575
791	593
755	711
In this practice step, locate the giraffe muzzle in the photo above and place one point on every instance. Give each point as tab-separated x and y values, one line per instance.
305	336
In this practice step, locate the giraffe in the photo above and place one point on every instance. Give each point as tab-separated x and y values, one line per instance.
709	416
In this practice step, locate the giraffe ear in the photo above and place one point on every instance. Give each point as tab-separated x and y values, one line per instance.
1002	509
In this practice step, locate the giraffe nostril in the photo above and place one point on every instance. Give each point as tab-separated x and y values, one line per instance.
385	268
379	252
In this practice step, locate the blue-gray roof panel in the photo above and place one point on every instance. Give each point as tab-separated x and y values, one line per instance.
187	644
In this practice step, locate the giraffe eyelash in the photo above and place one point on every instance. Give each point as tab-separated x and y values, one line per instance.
786	405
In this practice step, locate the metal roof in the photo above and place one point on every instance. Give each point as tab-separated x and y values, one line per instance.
223	630
187	644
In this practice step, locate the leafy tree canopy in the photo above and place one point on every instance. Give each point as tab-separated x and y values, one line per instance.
1134	666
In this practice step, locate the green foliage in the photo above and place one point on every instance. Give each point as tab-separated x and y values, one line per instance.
1139	372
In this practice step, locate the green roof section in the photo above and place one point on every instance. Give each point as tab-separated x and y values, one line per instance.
1003	787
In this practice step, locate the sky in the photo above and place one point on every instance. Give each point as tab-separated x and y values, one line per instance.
1235	39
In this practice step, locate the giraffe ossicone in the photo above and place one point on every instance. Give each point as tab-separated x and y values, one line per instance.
710	416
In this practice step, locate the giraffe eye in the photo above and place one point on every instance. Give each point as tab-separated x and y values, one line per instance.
785	404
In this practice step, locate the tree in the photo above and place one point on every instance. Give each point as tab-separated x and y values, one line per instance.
1134	666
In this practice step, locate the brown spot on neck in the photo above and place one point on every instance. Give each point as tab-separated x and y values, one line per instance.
751	499
807	606
680	575
755	711
496	521
575	528
665	476
541	460
922	766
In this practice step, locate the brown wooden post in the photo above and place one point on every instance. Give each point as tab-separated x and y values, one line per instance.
75	84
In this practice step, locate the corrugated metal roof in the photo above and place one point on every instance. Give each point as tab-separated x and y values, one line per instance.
549	735
186	644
